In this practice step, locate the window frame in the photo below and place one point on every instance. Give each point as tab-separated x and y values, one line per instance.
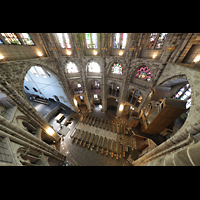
91	41
155	42
120	41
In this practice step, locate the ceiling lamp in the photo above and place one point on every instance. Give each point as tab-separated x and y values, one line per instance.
69	52
95	53
121	107
39	54
197	59
120	53
1	57
154	55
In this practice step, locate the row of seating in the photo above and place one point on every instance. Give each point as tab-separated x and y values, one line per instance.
95	141
105	124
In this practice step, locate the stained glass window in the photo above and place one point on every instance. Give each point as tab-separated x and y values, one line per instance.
161	40
144	73
188	104
94	67
72	68
123	40
26	38
94	40
117	68
61	41
88	40
67	41
11	38
151	41
91	40
120	40
184	94
64	40
116	40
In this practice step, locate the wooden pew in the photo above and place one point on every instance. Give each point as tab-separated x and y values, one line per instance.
83	136
108	126
100	143
75	135
104	125
109	147
117	129
95	141
87	138
111	127
98	121
101	121
72	134
105	144
113	149
84	118
94	121
123	150
91	140
118	150
79	136
88	119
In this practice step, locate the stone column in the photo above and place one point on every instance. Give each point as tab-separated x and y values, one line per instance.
188	156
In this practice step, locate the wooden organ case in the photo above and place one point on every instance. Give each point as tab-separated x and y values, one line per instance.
159	114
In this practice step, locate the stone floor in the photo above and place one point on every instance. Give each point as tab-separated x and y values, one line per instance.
78	155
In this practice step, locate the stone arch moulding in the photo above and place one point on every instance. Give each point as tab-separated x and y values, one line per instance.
182	76
192	122
108	71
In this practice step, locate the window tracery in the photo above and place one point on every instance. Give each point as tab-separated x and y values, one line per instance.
117	68
184	93
120	40
93	67
144	73
158	38
71	67
91	40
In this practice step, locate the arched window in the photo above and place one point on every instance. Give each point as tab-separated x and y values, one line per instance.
64	41
93	67
91	40
144	73
120	40
184	94
77	88
117	68
95	86
134	97
71	68
114	89
158	38
26	38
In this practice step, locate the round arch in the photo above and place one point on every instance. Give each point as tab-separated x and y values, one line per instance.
48	84
118	71
142	72
93	67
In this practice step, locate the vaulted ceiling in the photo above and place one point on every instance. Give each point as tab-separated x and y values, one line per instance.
178	47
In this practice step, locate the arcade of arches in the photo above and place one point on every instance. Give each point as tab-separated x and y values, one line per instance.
117	99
